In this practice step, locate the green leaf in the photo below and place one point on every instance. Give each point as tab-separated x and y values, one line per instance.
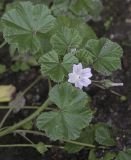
84	57
1	5
65	40
24	66
70	118
2	68
124	155
53	67
1	27
60	7
103	135
92	155
109	156
45	45
87	8
41	147
15	67
26	25
85	31
95	7
65	21
13	50
20	66
87	136
47	2
28	125
106	55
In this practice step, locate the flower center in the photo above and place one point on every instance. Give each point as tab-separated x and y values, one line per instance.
77	77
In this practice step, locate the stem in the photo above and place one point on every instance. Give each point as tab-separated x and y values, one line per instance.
24	92
98	85
49	83
23	145
21	123
116	93
26	138
42	134
16	145
38	133
79	143
1	129
102	87
5	117
31	85
24	107
3	44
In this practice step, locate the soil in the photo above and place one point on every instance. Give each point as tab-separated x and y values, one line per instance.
109	107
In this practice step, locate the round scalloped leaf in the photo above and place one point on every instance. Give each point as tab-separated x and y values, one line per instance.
86	136
103	135
92	155
84	57
109	155
124	155
87	8
26	25
51	65
65	40
106	55
85	31
70	118
60	7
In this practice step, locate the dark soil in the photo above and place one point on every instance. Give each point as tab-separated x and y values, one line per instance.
109	106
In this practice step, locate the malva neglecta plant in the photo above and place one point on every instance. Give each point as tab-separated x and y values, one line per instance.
59	40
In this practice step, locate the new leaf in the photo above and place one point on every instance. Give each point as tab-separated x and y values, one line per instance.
52	66
65	40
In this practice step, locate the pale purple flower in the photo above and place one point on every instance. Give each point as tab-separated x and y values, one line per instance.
79	76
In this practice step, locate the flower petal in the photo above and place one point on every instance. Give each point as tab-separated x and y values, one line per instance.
77	68
78	84
86	73
71	78
80	77
85	82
